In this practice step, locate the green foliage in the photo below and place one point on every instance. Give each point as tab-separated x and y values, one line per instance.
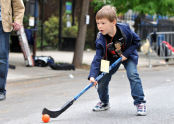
162	7
97	4
51	31
26	21
69	31
119	4
167	7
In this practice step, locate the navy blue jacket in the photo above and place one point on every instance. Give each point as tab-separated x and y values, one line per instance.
131	44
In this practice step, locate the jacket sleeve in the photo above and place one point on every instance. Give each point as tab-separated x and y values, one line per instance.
18	11
95	65
135	42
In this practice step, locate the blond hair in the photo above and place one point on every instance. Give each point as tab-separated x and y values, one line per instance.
109	12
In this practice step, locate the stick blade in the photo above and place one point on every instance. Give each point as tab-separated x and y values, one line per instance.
52	114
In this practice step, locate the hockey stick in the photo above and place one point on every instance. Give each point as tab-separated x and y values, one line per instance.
54	114
25	47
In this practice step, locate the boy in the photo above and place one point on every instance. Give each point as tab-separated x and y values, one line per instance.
115	40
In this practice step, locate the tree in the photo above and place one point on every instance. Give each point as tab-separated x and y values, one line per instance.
161	7
80	42
158	7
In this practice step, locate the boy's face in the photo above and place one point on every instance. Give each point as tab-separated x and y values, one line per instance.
105	26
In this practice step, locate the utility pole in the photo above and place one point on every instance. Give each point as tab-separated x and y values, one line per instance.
60	24
73	7
35	26
42	27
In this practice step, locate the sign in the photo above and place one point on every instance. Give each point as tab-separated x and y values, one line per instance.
31	21
87	19
68	7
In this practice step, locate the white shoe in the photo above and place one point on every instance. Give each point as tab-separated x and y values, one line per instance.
101	107
141	109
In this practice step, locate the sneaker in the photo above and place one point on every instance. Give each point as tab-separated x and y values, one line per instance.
141	109
101	107
2	96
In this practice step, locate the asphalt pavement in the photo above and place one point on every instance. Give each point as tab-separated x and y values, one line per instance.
30	89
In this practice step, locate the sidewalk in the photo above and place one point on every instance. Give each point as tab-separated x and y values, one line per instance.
28	73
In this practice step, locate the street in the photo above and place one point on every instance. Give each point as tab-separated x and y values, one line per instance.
26	99
47	49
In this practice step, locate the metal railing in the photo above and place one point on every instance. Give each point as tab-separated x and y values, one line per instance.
145	29
158	46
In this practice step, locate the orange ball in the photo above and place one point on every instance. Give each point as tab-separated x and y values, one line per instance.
45	118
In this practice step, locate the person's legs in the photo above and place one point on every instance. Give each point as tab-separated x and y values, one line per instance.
136	87
103	84
135	82
103	91
4	52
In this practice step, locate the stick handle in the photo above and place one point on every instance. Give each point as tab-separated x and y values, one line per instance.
110	68
83	91
98	78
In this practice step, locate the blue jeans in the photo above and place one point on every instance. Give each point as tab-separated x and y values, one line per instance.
134	79
4	52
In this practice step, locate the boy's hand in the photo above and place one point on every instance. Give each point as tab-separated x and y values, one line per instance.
16	26
92	80
123	58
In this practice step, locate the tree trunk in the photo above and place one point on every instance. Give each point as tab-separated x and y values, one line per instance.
80	42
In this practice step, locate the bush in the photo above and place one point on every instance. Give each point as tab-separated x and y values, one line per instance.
70	32
51	31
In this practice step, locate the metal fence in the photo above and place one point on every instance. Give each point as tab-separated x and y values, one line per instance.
145	29
158	44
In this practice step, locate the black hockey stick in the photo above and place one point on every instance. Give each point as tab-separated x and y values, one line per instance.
54	114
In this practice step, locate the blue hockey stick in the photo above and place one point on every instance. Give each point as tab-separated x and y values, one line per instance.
54	114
